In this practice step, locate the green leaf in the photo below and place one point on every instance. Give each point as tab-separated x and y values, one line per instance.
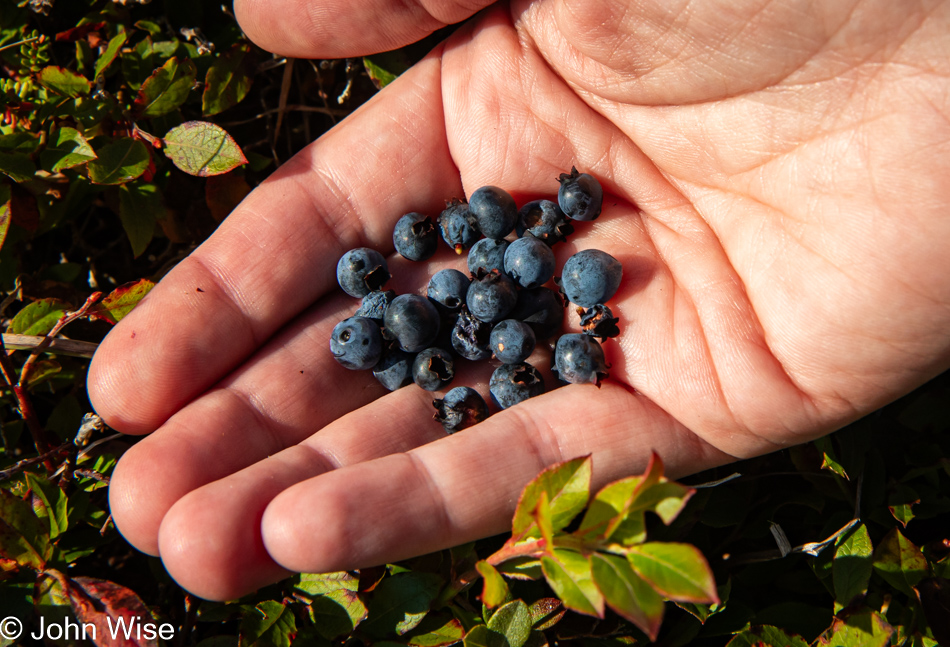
19	142
495	589
18	166
269	624
677	571
828	459
864	629
322	583
152	28
627	594
900	503
567	486
702	612
521	568
202	148
42	371
118	303
900	562
23	540
546	612
64	82
110	53
54	501
400	602
140	208
166	89
513	621
760	635
67	148
852	565
482	636
380	76
139	64
121	161
569	576
228	80
5	215
448	634
37	318
337	612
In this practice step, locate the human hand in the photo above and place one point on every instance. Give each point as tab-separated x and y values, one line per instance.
776	178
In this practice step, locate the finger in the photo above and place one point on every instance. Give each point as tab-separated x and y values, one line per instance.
336	29
276	253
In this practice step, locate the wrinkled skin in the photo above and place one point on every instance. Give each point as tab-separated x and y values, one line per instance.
776	189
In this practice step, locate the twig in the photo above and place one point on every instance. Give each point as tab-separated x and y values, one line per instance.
58	346
64	320
21	42
92	474
339	112
284	93
27	462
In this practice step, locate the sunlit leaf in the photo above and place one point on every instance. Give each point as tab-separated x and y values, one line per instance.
482	636
828	459
863	629
337	612
67	148
900	562
677	571
513	621
901	502
627	594
567	486
64	82
113	609
23	540
118	303
494	589
121	161
852	565
378	74
449	633
269	624
37	318
569	575
166	89
228	80
202	148
54	503
546	612
762	635
110	53
6	218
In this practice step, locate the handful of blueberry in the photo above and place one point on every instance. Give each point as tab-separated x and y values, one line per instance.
500	310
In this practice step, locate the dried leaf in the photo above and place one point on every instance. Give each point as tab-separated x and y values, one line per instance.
118	303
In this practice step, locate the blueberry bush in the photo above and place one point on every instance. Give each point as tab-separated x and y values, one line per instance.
129	130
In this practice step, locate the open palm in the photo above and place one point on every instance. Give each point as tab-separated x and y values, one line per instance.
777	191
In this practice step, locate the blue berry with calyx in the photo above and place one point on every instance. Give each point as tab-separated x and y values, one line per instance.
580	196
461	408
448	288
361	271
512	341
356	343
433	369
415	237
529	262
470	336
491	296
487	254
412	321
374	304
494	210
394	369
458	226
579	359
540	308
543	219
599	321
514	383
590	277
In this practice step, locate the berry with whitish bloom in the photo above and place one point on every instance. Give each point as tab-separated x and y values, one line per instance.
461	408
458	226
579	359
514	383
361	271
433	369
415	237
448	288
580	196
512	341
356	343
590	277
487	254
494	210
491	296
543	219
394	369
529	262
412	321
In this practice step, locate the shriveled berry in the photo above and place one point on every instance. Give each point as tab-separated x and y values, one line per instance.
494	210
599	321
540	308
448	289
433	369
491	296
470	336
461	408
415	237
458	226
361	271
580	195
543	219
590	277
579	359
412	321
512	341
356	343
374	304
529	262
394	369
487	254
514	383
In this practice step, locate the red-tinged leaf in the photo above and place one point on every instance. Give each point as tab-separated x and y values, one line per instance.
166	89
676	571
201	148
322	583
5	217
569	575
494	589
269	624
37	318
766	635
513	621
627	594
448	634
567	486
225	192
863	629
228	80
118	303
901	502
110	53
64	82
900	562
121	161
23	539
337	612
119	616
67	148
79	32
546	612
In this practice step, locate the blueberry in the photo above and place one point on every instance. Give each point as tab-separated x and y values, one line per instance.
448	289
580	195
361	271
544	219
529	262
356	343
458	226
540	308
415	237
487	254
599	321
470	337
394	369
461	408
374	304
512	341
494	210
491	296
514	383
412	321
433	369
591	277
579	359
